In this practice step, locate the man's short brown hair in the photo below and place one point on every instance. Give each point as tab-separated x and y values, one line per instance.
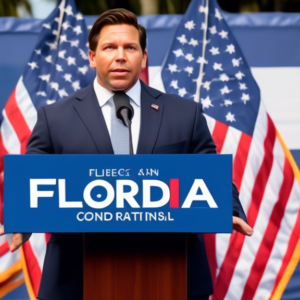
114	17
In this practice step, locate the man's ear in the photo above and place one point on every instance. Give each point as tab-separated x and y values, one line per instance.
92	59
144	61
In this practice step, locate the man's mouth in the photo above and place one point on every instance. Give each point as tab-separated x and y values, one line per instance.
120	71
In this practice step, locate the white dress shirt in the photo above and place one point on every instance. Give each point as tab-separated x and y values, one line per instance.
134	94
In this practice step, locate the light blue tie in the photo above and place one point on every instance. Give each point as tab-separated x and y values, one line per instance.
119	132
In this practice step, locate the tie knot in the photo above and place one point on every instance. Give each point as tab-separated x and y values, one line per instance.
121	98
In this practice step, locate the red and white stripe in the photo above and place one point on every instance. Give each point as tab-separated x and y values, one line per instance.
19	119
9	137
280	246
251	170
34	254
247	267
25	105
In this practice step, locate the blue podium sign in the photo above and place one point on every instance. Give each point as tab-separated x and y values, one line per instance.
118	193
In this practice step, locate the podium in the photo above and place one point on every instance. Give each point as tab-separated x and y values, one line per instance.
135	212
135	266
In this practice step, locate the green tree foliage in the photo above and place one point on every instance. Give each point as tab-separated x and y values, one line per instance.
173	6
10	7
260	5
96	7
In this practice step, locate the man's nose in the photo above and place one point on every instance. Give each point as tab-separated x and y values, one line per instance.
121	55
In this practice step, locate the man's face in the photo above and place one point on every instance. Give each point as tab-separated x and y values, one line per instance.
118	59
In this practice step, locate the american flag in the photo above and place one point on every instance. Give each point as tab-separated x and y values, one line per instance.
58	67
205	64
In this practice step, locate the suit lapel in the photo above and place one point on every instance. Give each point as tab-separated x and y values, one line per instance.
150	119
90	113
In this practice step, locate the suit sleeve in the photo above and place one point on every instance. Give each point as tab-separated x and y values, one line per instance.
40	140
202	143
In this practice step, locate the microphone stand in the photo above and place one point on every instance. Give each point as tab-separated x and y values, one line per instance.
130	139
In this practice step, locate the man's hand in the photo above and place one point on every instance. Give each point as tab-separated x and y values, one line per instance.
17	239
241	226
1	229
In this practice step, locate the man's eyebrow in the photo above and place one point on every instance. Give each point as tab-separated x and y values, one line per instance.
133	43
113	42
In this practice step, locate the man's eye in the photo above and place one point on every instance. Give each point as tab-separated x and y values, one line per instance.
131	47
108	47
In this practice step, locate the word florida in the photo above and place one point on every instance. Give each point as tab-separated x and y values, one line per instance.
170	194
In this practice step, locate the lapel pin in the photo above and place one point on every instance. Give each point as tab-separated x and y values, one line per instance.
154	106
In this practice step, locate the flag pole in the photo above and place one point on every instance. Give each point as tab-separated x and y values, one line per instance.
61	16
199	79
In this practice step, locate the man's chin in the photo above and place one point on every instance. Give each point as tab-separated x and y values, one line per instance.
121	85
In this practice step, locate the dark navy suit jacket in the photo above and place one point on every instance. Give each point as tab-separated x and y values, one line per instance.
76	125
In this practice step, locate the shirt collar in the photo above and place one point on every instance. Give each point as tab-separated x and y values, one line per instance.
103	95
135	93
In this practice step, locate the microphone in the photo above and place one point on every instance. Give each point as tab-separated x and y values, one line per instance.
124	112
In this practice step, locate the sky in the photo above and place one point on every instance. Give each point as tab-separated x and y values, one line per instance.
40	8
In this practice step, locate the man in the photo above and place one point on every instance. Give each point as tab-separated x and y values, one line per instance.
84	123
